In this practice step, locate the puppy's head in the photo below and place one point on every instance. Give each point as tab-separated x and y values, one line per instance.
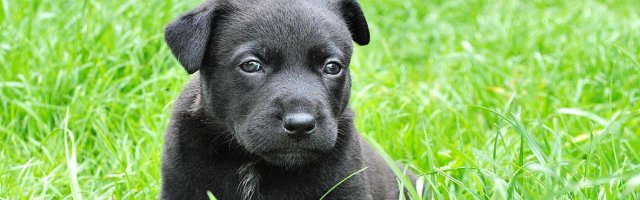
276	72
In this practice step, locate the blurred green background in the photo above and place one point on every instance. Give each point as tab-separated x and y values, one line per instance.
487	99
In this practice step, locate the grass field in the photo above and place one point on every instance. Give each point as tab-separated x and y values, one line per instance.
488	99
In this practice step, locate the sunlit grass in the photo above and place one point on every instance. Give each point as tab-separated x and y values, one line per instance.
486	99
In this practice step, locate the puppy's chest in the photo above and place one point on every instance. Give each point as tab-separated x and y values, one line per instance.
252	184
255	185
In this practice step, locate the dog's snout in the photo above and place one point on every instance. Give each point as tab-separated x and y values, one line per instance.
299	125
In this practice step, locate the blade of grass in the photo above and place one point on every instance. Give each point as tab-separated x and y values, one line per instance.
413	194
72	163
342	181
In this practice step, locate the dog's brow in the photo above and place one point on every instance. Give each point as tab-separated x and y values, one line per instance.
326	51
243	49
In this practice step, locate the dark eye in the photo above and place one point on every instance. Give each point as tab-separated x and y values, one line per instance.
332	68
251	66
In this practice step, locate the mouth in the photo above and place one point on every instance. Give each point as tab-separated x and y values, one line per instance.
290	157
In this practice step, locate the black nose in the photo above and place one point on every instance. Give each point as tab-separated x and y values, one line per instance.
299	125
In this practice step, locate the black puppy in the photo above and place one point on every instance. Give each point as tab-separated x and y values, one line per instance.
267	115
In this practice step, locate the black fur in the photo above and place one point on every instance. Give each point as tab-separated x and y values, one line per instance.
228	133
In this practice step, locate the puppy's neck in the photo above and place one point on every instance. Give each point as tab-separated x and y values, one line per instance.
249	181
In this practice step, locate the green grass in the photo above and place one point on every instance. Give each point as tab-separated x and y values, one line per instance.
487	99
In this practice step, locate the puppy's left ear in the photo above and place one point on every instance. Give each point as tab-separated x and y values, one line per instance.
188	37
354	17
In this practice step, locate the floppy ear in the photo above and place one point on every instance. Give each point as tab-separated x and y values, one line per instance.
352	14
188	37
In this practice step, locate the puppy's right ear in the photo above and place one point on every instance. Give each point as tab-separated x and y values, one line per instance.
188	36
353	15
